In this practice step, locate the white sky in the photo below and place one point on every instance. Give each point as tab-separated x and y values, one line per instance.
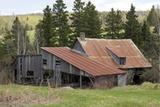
8	7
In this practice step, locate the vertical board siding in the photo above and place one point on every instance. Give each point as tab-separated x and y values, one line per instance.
50	60
105	82
77	46
25	63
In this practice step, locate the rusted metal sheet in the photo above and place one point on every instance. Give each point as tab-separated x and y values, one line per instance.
97	49
82	62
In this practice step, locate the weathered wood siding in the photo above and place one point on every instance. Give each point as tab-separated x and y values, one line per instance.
50	60
65	67
77	46
25	63
105	81
122	79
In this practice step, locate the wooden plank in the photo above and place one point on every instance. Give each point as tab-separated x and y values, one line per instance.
80	79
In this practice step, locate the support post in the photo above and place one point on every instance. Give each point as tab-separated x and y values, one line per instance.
80	79
70	68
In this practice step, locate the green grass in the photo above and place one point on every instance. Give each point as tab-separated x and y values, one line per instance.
129	96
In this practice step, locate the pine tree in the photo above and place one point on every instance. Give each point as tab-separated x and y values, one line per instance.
151	18
145	35
61	22
91	22
47	26
114	24
132	26
77	16
145	31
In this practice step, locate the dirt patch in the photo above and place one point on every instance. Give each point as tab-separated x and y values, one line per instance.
25	99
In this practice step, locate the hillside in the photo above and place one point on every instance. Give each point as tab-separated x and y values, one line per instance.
147	95
33	19
30	19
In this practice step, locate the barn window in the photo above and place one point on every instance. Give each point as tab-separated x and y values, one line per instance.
20	60
117	59
30	73
21	67
45	61
122	61
58	62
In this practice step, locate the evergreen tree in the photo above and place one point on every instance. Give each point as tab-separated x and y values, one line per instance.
145	35
47	27
91	22
145	31
114	23
61	22
132	26
77	16
152	17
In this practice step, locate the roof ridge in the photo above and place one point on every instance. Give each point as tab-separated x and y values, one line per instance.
102	39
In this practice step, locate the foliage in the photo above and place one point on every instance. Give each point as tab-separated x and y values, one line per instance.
19	37
114	24
61	22
78	10
145	36
46	26
132	26
151	18
91	22
150	47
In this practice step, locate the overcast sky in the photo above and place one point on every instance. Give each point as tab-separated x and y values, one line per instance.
8	7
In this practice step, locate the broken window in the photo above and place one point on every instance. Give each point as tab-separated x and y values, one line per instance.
122	61
30	73
118	60
21	67
44	61
20	60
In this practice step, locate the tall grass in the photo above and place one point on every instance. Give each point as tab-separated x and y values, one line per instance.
145	95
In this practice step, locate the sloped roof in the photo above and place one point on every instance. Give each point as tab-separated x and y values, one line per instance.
117	51
96	49
82	62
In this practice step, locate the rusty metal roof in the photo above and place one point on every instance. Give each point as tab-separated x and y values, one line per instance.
82	62
97	49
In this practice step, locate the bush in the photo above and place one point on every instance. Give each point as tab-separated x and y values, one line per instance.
149	85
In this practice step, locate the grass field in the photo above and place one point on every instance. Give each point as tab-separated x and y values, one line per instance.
147	95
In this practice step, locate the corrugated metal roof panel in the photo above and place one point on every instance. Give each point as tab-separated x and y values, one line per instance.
82	62
96	49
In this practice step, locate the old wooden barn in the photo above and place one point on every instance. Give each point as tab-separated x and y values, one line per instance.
91	62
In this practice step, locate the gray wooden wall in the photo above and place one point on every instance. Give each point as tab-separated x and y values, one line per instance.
25	63
77	46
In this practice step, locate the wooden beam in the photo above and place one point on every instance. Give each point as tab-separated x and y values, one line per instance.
70	68
80	79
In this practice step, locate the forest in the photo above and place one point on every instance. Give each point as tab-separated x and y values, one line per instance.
57	27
